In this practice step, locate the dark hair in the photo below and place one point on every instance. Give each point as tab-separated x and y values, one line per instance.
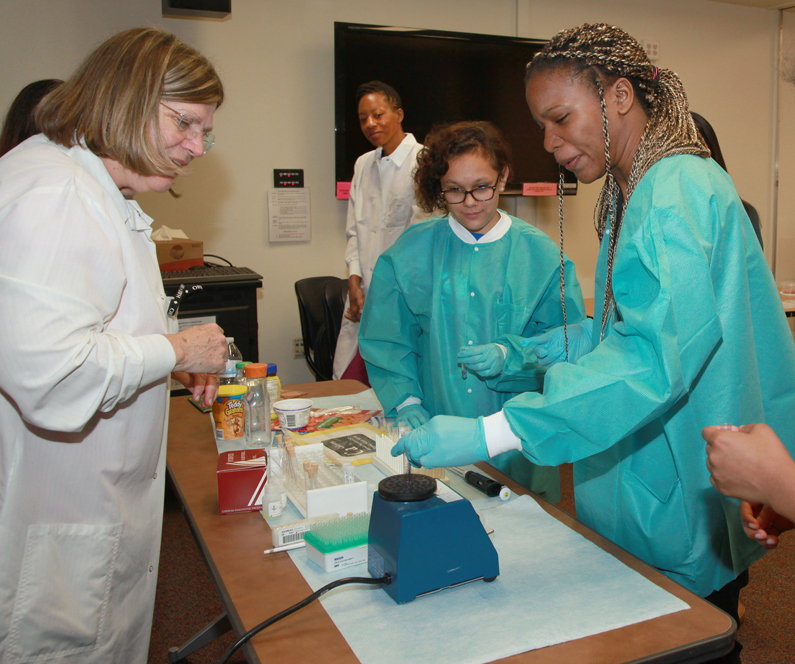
20	122
600	50
375	87
706	131
577	68
446	142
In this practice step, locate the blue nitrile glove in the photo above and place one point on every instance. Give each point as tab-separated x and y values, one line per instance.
444	441
414	415
485	360
550	347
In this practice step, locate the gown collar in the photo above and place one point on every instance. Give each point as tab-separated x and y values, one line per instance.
496	233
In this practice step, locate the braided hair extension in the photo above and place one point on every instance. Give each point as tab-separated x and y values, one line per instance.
606	53
562	263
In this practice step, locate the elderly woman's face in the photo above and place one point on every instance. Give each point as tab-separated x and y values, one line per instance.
182	128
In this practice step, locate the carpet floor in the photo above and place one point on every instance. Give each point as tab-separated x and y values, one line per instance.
187	600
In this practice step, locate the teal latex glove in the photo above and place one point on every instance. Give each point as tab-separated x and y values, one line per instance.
414	415
485	360
550	347
444	441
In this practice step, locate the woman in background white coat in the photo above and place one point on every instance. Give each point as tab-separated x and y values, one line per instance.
380	207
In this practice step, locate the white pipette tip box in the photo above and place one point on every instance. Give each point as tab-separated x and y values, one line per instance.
340	543
289	533
330	562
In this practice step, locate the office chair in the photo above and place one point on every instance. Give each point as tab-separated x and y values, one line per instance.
753	215
318	342
335	293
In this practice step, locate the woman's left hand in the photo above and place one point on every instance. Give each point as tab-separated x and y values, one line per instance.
200	385
763	524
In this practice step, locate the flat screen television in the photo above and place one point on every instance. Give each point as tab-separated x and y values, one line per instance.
441	77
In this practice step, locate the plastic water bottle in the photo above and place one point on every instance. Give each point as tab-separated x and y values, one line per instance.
230	372
274	387
240	374
258	407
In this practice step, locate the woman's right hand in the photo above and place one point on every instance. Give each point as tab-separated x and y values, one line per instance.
356	295
200	349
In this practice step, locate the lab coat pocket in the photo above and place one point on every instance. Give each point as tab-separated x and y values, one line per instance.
399	210
510	319
654	501
64	587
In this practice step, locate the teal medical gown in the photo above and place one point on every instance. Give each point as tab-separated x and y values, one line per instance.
431	294
701	339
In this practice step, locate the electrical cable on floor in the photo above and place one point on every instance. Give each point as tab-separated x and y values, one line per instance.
386	580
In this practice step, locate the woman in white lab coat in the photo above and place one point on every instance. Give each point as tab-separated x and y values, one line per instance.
381	205
88	347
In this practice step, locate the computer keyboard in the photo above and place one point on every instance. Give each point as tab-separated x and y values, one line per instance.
201	275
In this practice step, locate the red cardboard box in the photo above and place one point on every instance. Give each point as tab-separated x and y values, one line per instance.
241	480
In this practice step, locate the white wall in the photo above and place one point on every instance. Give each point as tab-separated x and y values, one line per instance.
276	60
785	257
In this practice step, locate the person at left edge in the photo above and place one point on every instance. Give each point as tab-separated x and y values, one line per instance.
381	206
88	348
20	121
465	288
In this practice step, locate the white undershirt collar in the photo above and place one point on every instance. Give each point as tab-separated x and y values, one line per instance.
496	233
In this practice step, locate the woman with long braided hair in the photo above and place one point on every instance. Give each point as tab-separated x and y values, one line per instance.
689	330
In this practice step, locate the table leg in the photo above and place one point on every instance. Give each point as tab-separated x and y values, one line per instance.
215	628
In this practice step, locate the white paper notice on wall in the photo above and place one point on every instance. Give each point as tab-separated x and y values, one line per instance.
288	215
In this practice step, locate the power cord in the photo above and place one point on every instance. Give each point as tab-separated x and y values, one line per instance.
228	262
386	580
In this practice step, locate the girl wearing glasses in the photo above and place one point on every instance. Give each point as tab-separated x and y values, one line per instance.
450	301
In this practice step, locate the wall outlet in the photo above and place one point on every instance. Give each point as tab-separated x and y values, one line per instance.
652	49
298	348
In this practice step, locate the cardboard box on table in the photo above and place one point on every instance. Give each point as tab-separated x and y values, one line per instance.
179	254
241	482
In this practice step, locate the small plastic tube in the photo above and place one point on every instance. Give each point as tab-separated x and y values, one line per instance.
348	476
290	453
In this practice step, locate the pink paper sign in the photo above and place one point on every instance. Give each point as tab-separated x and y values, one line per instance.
343	190
539	189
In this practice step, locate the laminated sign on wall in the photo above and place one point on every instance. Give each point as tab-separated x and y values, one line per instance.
288	215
